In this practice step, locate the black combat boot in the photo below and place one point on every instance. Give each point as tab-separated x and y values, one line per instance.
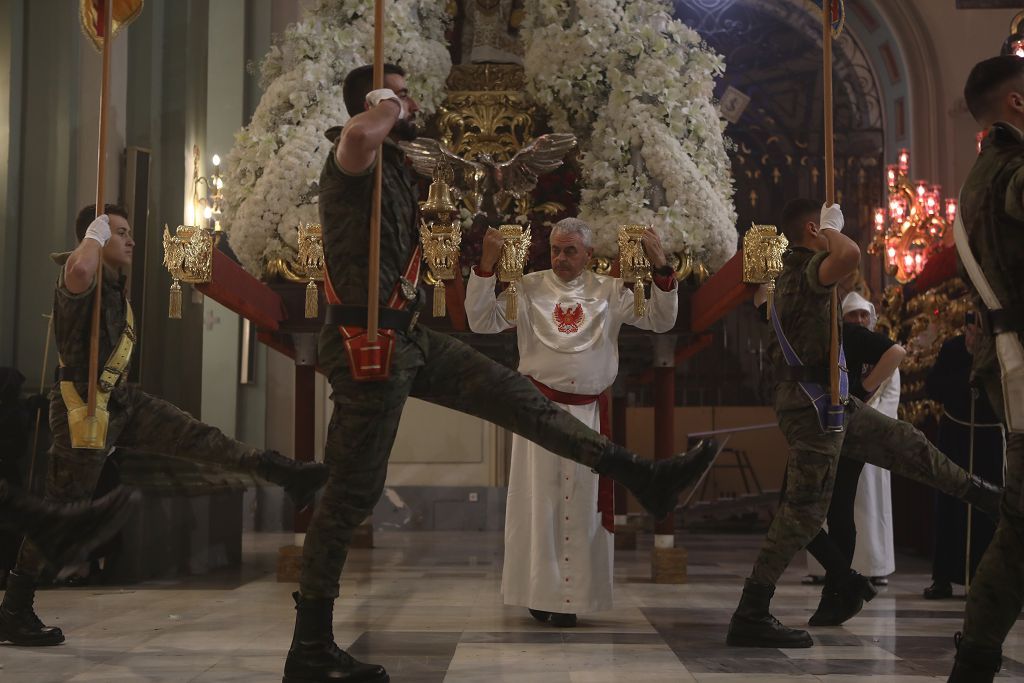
842	599
300	480
540	615
984	496
974	664
315	658
19	624
752	625
64	533
563	620
657	484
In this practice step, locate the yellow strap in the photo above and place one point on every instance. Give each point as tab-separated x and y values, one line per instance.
118	360
113	369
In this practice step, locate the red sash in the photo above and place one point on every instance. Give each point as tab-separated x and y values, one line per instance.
372	362
605	485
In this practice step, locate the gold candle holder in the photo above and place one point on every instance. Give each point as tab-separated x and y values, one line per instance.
763	247
188	256
511	263
634	268
310	260
440	235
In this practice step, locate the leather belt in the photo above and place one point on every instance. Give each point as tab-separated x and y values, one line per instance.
817	374
344	315
72	374
1003	320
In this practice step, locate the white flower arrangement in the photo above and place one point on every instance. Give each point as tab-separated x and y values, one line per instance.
635	86
274	167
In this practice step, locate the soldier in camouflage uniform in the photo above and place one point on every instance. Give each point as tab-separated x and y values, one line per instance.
418	362
819	257
990	242
136	420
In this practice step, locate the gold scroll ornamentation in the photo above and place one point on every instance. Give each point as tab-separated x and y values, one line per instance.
763	247
511	263
188	257
311	262
440	234
634	268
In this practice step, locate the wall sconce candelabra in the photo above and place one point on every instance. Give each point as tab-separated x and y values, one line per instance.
914	224
209	204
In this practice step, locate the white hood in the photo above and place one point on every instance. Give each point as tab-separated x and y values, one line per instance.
855	302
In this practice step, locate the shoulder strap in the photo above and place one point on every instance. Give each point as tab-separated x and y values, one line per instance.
788	352
963	250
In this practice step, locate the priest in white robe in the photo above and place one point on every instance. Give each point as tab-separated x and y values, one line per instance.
558	544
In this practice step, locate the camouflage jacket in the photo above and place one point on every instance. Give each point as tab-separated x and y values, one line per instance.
802	304
992	210
345	205
72	318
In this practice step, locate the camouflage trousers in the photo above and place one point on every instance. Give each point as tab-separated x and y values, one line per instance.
869	437
139	422
433	367
997	592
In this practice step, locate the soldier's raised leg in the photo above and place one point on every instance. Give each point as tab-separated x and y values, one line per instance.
156	426
902	449
460	378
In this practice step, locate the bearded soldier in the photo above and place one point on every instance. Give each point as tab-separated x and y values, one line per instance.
371	380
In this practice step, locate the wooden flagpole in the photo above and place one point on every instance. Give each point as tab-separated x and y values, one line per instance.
830	187
373	288
101	158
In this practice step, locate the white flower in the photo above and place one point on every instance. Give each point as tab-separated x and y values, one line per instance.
635	86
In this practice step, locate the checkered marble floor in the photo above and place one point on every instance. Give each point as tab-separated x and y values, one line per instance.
427	606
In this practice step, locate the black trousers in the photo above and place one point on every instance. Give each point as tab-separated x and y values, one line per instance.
833	549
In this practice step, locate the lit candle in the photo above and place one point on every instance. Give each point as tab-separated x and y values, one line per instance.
879	219
904	161
951	210
891	173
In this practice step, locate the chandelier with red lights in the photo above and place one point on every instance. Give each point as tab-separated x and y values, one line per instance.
916	222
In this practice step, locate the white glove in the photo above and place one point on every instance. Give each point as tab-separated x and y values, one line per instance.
831	218
99	229
375	97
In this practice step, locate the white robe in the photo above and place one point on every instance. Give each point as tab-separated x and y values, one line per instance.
872	511
558	557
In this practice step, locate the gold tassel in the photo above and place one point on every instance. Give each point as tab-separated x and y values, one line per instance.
639	303
511	305
440	310
312	300
174	305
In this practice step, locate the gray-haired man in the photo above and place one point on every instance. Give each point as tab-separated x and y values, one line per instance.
558	521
